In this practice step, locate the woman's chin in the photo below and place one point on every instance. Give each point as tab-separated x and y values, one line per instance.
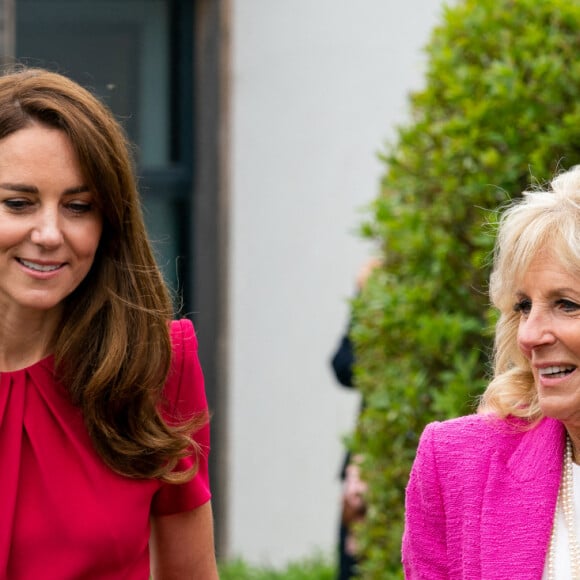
565	409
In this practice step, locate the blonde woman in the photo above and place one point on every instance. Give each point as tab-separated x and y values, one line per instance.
497	494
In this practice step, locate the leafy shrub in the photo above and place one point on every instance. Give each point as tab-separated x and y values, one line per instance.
500	110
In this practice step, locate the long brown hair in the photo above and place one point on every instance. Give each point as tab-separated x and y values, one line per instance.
112	349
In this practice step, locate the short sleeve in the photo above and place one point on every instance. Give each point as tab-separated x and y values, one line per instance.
185	398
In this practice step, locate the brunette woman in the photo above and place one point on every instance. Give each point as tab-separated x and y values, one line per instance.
103	416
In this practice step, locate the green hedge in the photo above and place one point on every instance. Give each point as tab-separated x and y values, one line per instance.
500	110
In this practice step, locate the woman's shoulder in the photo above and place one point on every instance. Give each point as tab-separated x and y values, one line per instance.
480	424
464	449
182	334
184	388
479	434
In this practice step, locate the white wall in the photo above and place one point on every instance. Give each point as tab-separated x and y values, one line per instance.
317	88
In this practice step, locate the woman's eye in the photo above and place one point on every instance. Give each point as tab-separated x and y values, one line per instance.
568	305
523	306
17	204
79	207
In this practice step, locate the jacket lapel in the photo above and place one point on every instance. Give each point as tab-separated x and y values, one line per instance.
519	503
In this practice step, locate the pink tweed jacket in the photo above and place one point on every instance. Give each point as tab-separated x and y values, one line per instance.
481	499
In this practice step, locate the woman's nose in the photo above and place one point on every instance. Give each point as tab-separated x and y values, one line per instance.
535	330
47	231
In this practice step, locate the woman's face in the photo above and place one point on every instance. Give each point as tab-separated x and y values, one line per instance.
548	301
50	226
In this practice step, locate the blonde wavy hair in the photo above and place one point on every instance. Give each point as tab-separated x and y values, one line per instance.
542	220
112	349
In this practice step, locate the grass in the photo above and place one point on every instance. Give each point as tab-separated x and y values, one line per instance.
316	568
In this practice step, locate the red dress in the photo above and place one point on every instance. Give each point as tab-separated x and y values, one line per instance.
64	514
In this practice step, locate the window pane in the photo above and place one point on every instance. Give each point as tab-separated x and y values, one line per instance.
117	48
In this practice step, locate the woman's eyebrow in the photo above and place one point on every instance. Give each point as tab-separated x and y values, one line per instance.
20	187
23	188
74	190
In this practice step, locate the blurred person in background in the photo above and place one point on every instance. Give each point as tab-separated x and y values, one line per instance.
353	506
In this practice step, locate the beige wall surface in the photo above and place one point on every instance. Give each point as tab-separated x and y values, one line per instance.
7	24
317	88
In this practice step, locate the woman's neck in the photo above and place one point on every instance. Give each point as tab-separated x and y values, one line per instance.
574	435
25	340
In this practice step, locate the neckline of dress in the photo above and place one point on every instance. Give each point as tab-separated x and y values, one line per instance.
43	362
